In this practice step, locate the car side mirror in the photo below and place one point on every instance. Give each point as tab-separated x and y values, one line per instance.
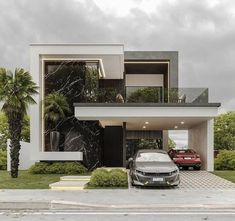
130	160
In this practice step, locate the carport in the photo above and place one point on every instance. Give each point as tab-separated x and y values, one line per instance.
118	118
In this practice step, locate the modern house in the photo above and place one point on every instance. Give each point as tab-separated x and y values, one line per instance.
120	101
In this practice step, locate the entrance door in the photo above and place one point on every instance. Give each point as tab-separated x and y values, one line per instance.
113	146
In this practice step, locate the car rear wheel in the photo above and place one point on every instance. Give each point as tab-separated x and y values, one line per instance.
196	167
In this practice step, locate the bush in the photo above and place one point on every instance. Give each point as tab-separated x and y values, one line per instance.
104	178
3	159
143	95
58	168
225	160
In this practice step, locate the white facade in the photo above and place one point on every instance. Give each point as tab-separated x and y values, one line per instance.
151	80
198	120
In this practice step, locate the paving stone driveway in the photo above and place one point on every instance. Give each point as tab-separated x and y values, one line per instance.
200	180
203	180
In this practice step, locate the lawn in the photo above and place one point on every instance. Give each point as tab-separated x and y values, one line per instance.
27	180
227	174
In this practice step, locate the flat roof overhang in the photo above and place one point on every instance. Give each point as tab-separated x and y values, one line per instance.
158	116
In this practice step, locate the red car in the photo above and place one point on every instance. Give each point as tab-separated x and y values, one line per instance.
185	158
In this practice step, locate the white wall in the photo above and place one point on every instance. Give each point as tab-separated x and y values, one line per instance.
25	160
201	138
144	80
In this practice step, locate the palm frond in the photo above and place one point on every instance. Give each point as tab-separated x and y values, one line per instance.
55	107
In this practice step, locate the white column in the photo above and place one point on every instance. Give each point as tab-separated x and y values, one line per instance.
210	145
201	139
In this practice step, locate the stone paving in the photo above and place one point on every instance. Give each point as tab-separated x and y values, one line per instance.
203	180
70	183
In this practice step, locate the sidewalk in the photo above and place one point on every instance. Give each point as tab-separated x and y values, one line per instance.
120	199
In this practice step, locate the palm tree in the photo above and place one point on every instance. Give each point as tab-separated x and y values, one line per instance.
55	109
16	91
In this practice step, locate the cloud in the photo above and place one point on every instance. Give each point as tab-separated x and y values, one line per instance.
202	31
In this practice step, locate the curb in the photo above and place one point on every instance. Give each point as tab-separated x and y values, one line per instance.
65	205
25	205
56	204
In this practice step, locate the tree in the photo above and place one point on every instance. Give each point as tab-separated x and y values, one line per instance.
224	131
143	95
16	91
55	108
171	143
149	144
4	130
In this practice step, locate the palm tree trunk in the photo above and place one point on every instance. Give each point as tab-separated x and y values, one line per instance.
15	127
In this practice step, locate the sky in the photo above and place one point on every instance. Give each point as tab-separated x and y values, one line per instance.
203	31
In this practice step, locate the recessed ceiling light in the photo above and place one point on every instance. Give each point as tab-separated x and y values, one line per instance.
146	122
175	126
144	127
182	122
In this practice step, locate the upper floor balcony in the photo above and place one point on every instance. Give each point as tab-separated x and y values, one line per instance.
143	94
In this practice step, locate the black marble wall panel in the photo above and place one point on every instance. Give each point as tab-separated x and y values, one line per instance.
69	79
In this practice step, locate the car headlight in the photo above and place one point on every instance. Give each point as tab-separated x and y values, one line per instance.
174	172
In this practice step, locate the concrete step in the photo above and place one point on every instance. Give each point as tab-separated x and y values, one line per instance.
75	178
68	185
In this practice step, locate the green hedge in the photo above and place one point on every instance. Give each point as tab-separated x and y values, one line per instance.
101	178
58	168
225	160
3	159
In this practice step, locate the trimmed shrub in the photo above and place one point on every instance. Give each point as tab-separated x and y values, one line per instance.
39	168
3	159
104	178
225	160
58	168
74	168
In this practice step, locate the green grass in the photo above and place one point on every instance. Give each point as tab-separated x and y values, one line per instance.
27	180
227	174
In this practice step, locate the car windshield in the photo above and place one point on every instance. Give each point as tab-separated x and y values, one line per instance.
184	151
152	157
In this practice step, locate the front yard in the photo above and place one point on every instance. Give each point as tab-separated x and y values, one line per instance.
42	181
27	180
227	174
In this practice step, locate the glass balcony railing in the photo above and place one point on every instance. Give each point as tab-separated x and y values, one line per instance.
133	94
160	95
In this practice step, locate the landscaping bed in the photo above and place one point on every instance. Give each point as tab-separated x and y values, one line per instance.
40	175
68	168
103	178
226	174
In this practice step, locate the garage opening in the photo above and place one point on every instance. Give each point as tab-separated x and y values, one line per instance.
142	139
